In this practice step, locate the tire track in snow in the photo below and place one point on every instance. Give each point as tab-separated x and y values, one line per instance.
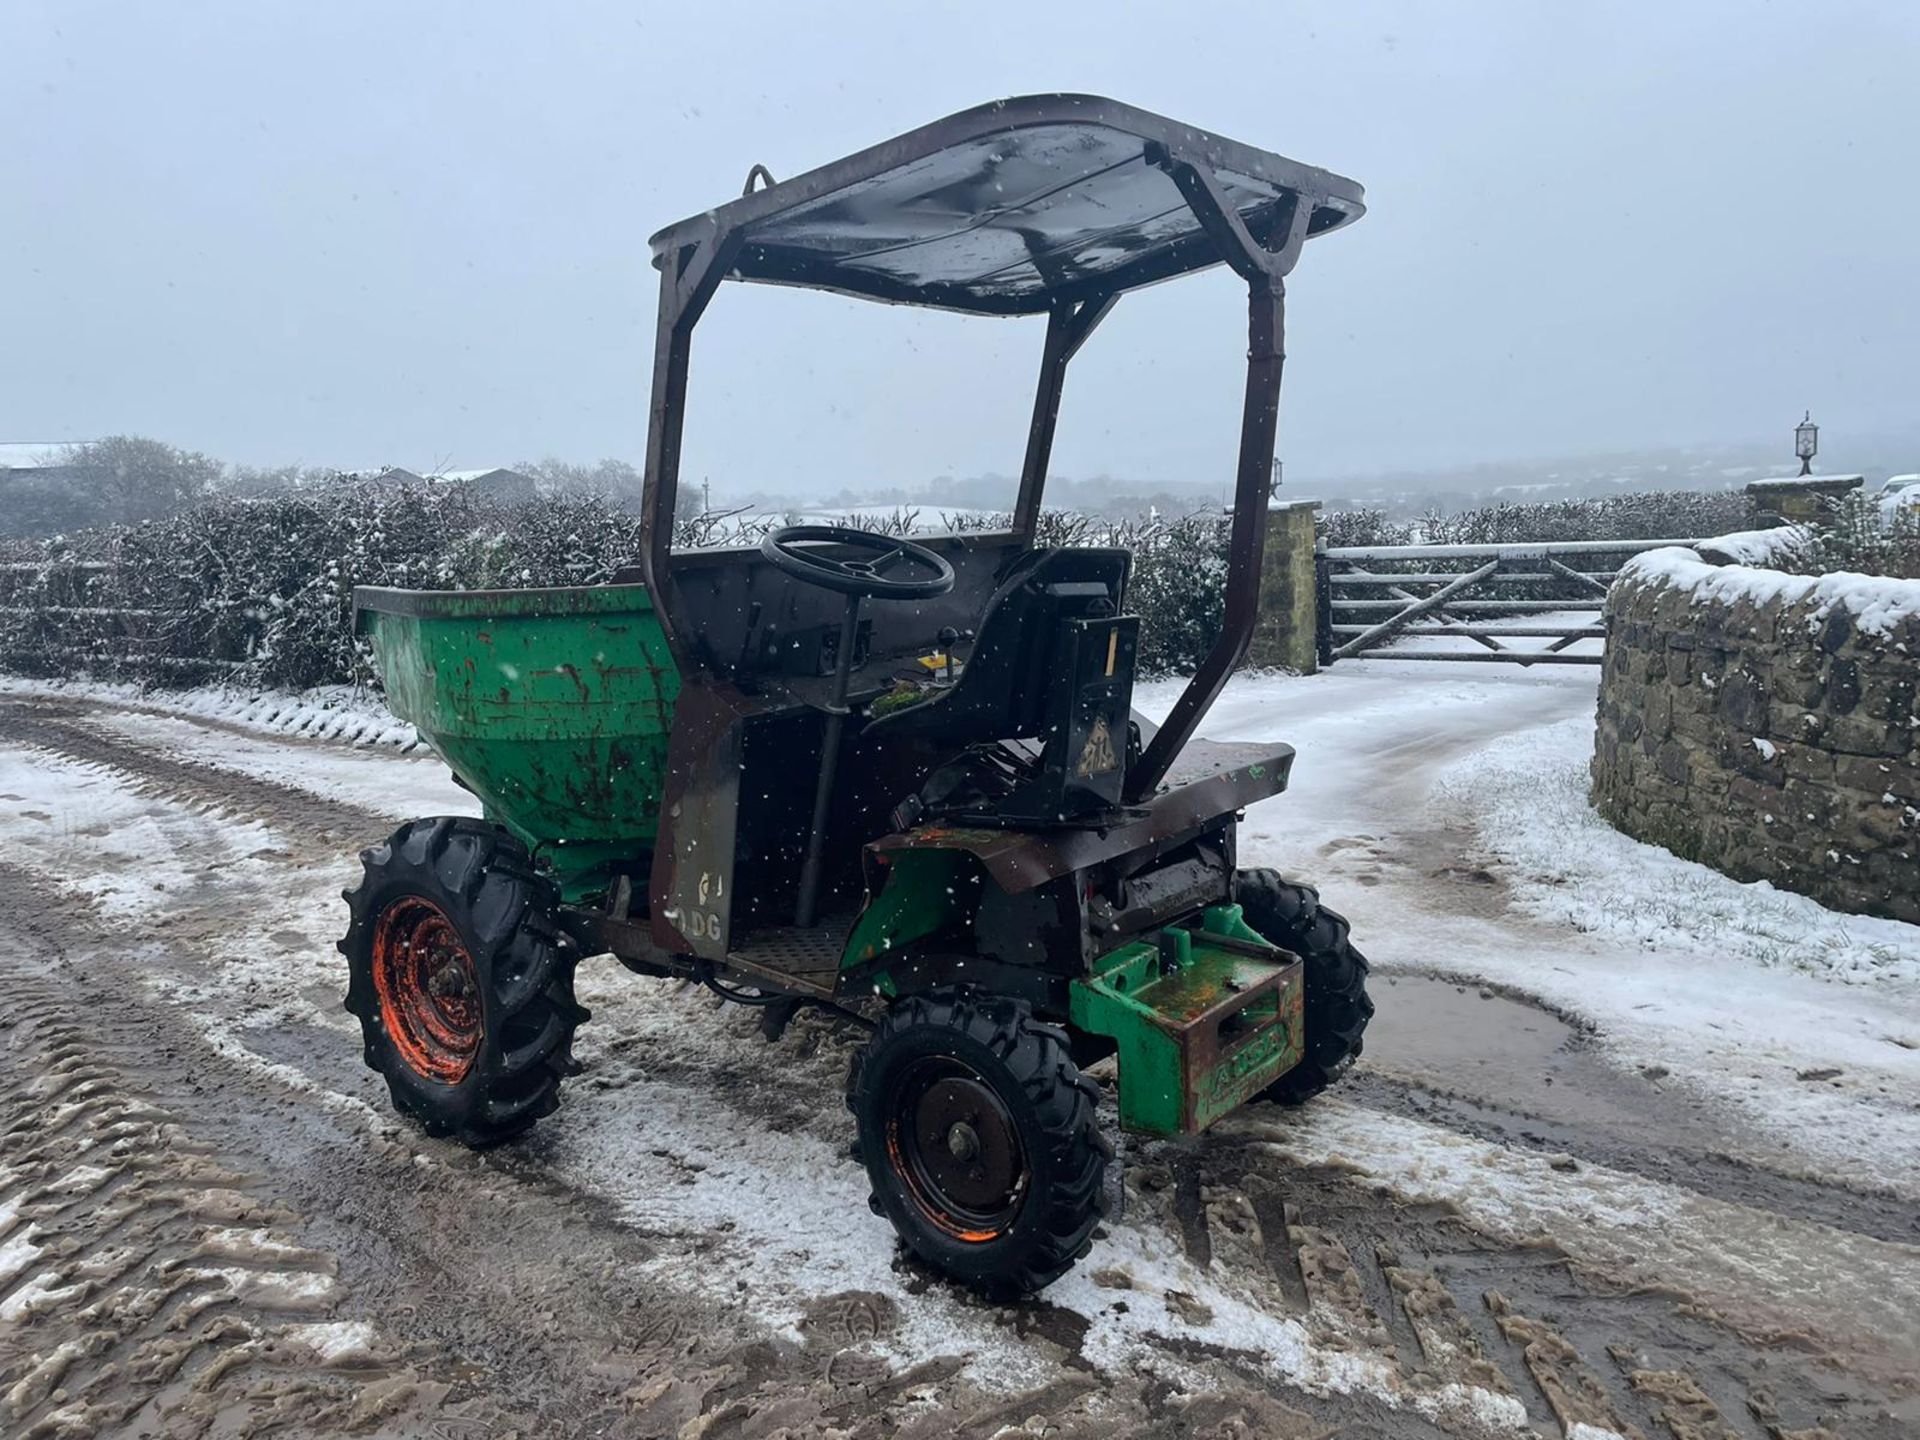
145	1287
1777	1281
312	820
657	1364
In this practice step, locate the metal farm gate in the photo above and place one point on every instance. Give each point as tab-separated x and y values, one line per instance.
59	616
1487	596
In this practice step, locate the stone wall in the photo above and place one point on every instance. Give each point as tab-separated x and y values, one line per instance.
1764	724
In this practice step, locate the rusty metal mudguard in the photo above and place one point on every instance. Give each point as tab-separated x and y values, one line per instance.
1211	780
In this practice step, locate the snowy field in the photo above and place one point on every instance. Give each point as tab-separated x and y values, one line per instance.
1517	941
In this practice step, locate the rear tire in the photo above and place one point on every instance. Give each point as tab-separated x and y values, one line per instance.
1337	1005
980	1138
461	981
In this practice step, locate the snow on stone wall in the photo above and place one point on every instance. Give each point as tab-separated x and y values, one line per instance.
1764	724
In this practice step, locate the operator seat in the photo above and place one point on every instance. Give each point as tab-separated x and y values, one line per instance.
1004	690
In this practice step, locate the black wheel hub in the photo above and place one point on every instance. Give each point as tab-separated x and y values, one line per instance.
958	1149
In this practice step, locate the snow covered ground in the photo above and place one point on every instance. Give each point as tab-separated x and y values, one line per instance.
1446	814
328	712
1440	806
362	776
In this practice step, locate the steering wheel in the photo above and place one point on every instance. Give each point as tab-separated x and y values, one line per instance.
864	575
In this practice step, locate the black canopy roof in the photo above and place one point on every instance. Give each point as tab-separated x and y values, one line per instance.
1011	207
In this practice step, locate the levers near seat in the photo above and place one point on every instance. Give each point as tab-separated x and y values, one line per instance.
1054	662
795	550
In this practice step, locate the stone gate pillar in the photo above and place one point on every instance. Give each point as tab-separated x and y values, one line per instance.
1284	632
1799	499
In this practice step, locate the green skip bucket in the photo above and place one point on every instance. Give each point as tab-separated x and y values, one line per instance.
553	706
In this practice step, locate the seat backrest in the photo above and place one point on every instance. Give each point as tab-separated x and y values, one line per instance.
1002	693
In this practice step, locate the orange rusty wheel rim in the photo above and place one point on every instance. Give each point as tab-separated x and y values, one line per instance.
956	1148
428	989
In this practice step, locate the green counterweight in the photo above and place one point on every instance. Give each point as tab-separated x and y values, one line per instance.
1204	1020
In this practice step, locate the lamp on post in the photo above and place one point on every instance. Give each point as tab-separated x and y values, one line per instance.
1806	442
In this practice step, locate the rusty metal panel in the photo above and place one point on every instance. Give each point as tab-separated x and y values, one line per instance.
1212	781
691	891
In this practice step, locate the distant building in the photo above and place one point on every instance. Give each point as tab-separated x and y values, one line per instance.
37	488
395	475
499	484
39	459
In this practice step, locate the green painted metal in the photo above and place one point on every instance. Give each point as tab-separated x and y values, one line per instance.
922	891
553	706
1201	1027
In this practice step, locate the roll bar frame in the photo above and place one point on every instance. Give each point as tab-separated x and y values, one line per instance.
695	255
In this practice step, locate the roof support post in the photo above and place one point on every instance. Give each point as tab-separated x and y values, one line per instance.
1265	272
688	278
1068	326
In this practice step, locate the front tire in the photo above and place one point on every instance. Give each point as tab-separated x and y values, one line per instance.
980	1139
1337	1004
461	981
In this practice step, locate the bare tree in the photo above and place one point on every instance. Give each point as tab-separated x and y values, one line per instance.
127	478
612	479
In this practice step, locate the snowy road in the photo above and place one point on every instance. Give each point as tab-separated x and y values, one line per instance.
1633	1150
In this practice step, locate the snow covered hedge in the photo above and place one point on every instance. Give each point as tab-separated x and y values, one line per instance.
1649	515
261	591
1871	533
1765	723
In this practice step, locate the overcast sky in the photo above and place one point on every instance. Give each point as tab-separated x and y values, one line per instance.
347	233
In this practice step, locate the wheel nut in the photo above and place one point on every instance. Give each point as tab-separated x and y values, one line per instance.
962	1142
